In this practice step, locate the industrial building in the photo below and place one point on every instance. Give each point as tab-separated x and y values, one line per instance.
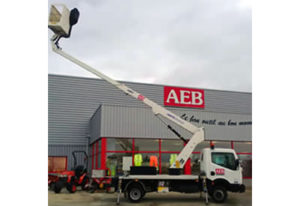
90	114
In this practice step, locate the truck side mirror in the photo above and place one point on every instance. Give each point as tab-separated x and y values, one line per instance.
237	163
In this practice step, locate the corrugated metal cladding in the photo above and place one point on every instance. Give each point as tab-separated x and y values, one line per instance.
74	100
95	125
66	150
139	122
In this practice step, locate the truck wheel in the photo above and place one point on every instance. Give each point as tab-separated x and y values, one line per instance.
58	186
135	193
219	194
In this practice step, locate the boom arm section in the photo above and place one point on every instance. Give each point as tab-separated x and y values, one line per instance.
198	133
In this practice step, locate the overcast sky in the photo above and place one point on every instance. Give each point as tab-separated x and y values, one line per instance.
192	43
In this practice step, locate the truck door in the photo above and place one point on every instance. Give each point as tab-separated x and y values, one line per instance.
223	165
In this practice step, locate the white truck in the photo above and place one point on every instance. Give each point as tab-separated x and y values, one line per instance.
220	170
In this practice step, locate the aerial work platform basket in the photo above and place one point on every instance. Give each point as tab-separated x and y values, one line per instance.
59	19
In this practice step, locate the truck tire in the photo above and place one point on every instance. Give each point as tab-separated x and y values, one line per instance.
135	193
219	194
58	186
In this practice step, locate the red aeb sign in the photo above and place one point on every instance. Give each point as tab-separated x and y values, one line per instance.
183	97
220	171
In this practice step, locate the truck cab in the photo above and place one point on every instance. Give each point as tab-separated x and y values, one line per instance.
223	172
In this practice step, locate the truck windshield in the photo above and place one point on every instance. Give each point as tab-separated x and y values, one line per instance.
223	159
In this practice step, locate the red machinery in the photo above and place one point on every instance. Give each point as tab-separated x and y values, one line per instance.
101	179
70	179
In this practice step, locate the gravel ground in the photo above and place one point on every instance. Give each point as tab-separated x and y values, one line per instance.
82	198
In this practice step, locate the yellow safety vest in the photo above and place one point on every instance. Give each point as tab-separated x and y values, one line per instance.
173	158
138	160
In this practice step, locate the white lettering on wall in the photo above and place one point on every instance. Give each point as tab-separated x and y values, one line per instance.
172	95
183	96
197	96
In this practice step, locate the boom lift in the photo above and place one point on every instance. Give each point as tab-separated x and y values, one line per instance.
135	186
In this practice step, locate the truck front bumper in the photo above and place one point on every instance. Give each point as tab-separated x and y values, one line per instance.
237	188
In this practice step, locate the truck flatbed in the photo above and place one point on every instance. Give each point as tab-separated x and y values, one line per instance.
161	177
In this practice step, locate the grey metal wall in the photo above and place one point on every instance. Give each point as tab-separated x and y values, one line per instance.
66	150
138	122
95	125
74	100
